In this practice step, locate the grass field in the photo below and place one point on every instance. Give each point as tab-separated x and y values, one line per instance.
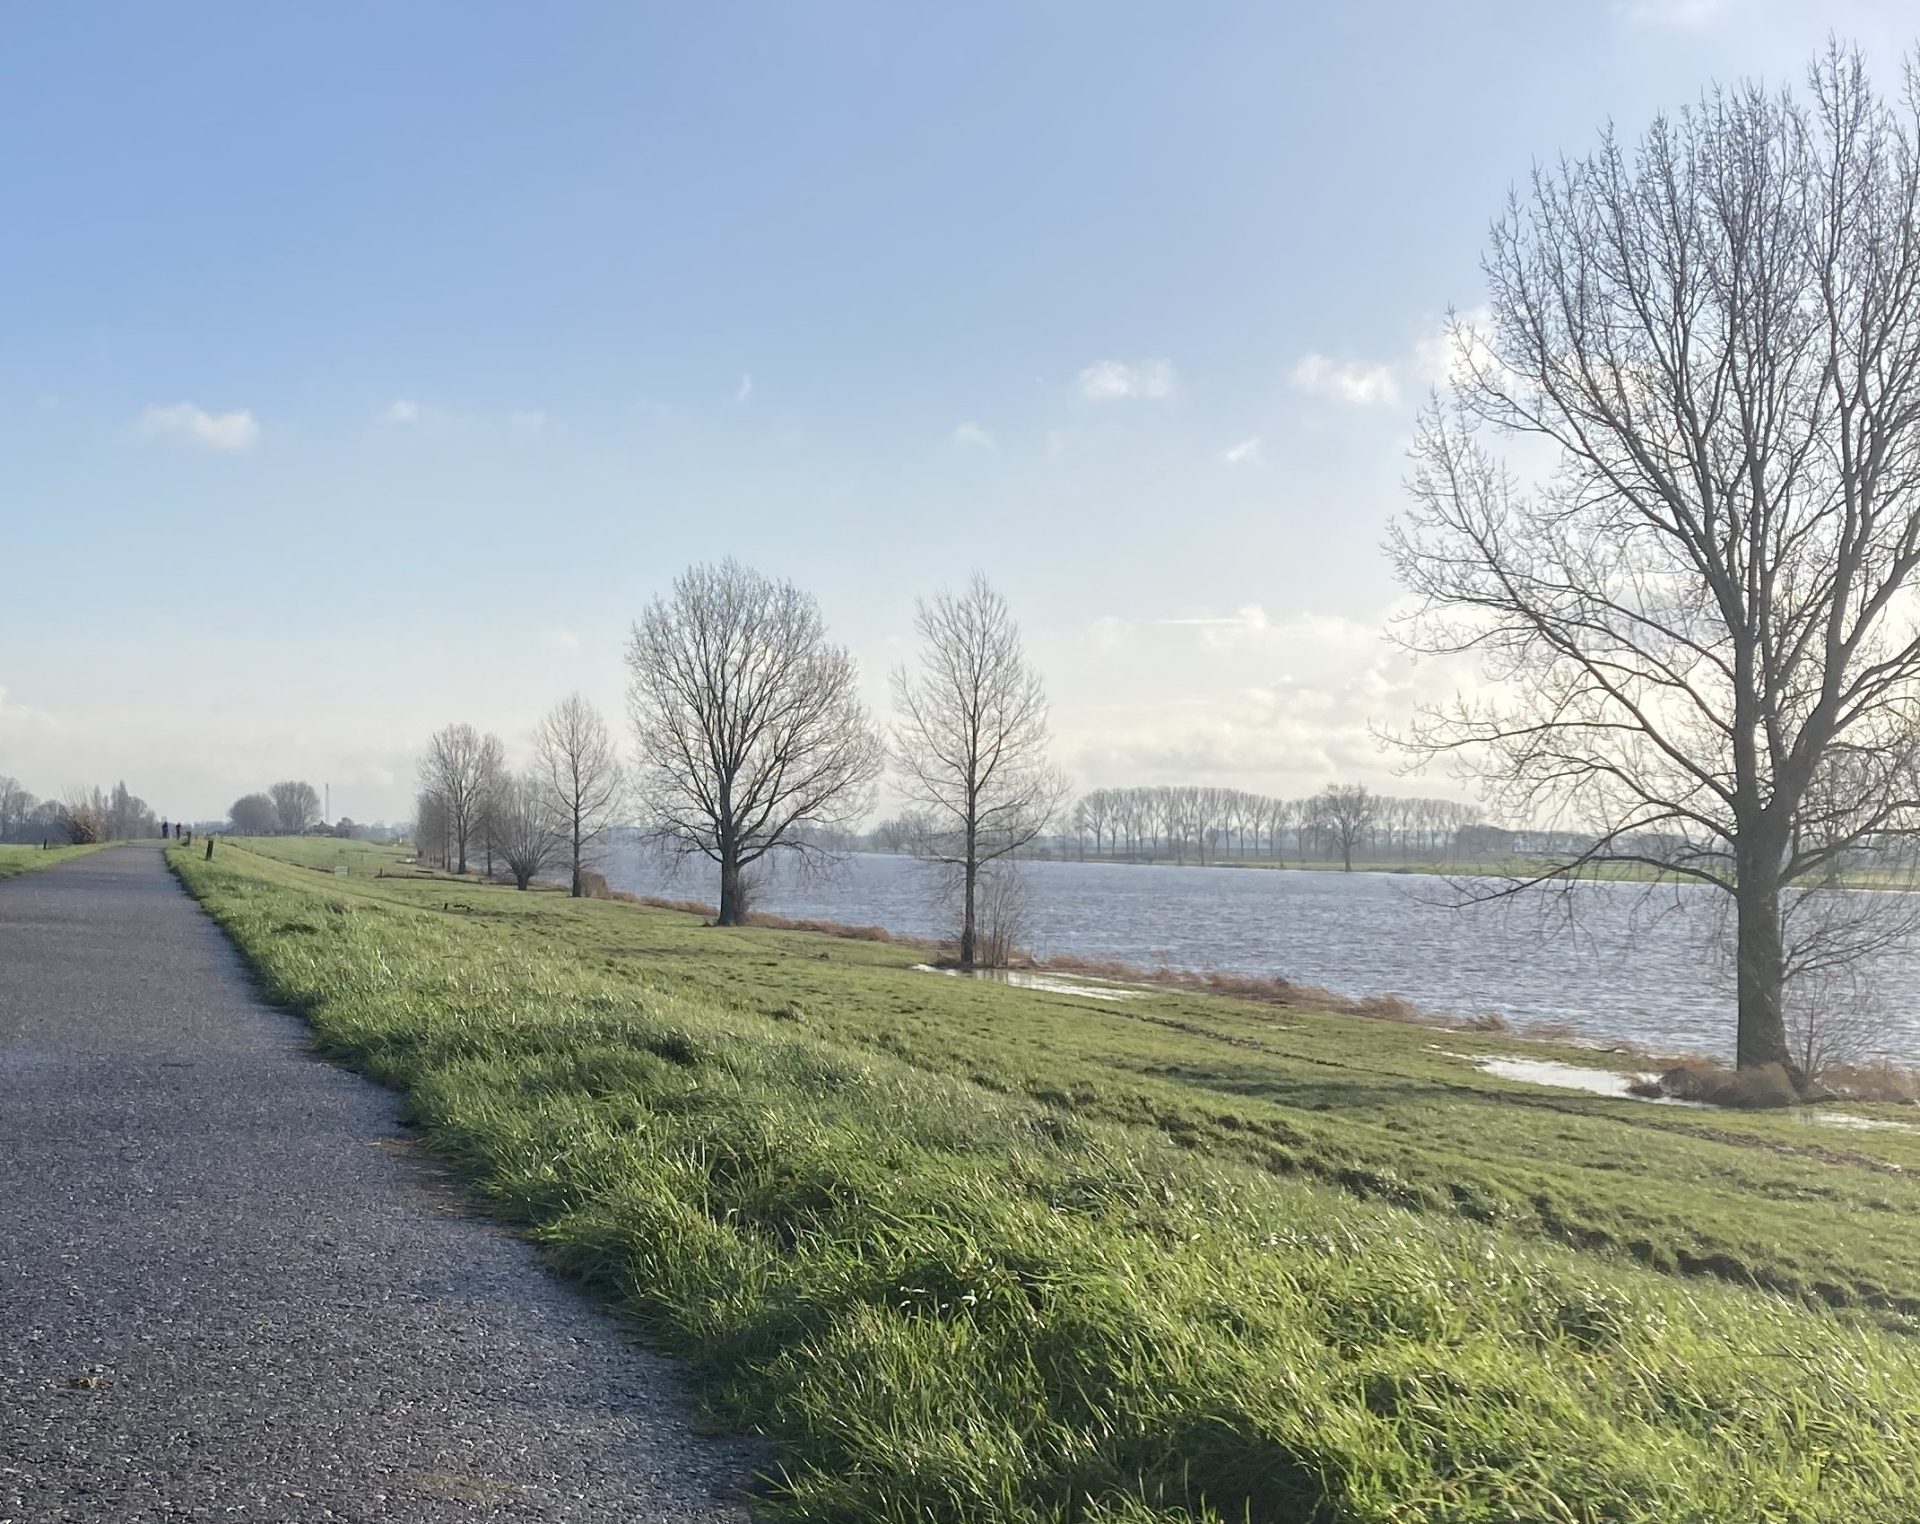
24	859
966	1251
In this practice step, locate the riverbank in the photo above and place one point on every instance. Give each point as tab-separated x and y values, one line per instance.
972	1251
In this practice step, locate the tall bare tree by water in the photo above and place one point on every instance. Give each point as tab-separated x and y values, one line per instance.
296	805
1697	625
582	776
970	739
456	768
750	728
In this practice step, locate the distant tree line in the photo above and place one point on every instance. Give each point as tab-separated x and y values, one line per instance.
290	808
1341	823
77	817
1201	824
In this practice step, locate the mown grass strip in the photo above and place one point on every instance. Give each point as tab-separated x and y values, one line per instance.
15	860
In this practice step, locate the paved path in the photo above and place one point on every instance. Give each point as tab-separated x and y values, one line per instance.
227	1293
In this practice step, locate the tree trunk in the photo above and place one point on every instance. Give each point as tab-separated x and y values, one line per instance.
733	908
1760	963
967	932
575	889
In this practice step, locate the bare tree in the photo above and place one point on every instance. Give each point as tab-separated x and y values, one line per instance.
581	773
1698	625
1348	812
15	804
524	826
456	768
494	778
296	805
432	835
751	733
81	816
252	815
970	740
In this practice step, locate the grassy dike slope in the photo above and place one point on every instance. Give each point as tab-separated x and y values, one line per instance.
971	1252
24	859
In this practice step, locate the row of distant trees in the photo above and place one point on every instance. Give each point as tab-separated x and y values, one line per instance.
1204	824
77	817
555	812
752	742
289	808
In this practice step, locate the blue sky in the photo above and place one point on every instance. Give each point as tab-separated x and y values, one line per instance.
364	367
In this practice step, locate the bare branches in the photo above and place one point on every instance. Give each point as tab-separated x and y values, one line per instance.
751	732
296	805
456	771
529	835
1699	626
969	743
581	774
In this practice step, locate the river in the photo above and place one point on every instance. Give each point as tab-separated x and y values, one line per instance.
1629	961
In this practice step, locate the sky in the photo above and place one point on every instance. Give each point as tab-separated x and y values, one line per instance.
366	367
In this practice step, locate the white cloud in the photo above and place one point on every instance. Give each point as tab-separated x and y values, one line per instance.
1285	703
971	433
1438	356
227	433
16	718
744	391
403	410
1245	453
1352	381
1112	380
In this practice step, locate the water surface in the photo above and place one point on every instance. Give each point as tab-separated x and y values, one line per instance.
1609	960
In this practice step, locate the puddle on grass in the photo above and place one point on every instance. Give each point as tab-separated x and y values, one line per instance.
1031	979
1563	1076
1614	1083
1817	1117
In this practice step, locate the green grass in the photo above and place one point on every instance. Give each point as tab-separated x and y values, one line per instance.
970	1252
24	859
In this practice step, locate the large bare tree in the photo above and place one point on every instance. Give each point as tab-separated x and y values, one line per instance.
458	768
296	805
1696	621
970	741
750	728
523	826
581	773
1349	812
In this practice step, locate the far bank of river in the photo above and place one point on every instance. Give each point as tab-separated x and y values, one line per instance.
1632	961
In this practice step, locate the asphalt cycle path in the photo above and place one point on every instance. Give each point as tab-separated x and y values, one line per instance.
229	1291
